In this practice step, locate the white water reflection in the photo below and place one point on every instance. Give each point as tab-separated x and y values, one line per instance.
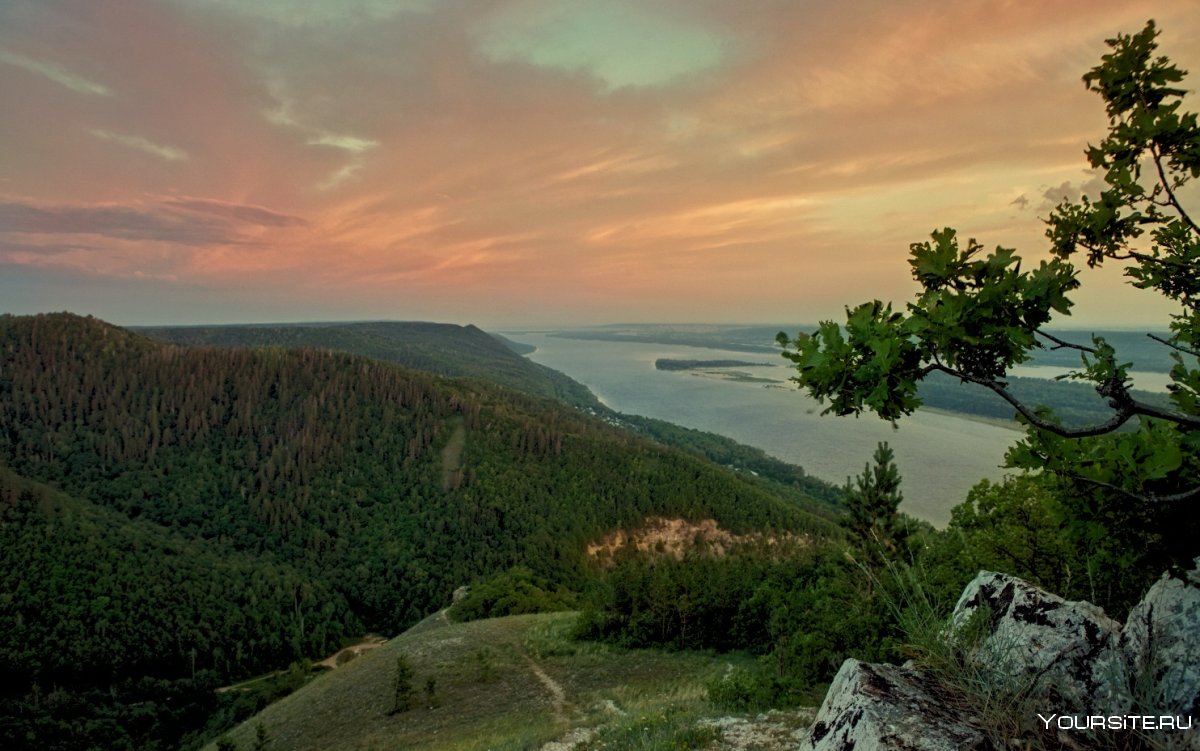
1142	379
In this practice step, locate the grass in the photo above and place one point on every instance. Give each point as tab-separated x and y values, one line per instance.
489	694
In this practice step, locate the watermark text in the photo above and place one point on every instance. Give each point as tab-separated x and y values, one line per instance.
1116	722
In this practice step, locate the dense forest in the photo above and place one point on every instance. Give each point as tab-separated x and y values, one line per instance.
176	517
468	352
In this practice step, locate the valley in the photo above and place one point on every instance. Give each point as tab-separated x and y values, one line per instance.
232	501
221	512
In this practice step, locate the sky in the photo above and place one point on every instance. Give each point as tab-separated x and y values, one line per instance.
539	162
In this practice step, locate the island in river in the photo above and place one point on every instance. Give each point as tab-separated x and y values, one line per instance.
670	363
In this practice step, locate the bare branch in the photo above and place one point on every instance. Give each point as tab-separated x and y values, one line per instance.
1149	498
1063	344
1124	406
1174	346
1162	177
1116	421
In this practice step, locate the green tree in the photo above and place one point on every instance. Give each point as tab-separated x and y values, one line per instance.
431	696
1018	526
261	737
978	314
404	695
485	671
873	501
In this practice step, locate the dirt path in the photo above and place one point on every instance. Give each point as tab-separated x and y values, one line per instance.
558	697
370	642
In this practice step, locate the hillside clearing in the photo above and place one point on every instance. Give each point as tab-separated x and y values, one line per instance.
512	683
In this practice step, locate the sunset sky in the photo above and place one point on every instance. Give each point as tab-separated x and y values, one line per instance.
534	162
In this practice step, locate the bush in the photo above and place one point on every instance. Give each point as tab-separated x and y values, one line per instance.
513	592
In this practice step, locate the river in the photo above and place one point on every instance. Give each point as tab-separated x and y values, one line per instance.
940	456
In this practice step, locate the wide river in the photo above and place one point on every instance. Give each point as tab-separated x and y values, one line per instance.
940	456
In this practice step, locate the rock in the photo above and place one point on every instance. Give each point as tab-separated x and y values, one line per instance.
1060	651
886	707
1161	645
1043	655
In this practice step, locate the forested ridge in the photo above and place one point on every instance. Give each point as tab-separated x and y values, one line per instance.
198	514
442	348
468	352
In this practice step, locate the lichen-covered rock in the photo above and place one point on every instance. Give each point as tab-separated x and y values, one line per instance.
890	708
1161	645
1100	684
1061	651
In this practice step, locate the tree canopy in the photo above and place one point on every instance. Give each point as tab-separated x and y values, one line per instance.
977	314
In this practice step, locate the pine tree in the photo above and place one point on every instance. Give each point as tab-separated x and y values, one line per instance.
261	738
405	694
873	502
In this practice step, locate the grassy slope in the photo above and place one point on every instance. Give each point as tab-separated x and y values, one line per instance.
618	694
73	386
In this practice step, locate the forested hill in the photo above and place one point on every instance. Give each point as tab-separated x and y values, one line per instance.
197	514
442	348
468	352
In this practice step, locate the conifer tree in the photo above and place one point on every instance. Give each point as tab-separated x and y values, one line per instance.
261	738
873	502
404	693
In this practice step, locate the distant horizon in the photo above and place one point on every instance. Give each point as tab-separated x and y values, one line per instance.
529	328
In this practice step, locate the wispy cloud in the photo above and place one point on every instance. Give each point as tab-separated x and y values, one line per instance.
341	175
347	143
169	153
283	114
248	214
175	221
56	73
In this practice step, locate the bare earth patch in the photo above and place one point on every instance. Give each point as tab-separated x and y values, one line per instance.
558	697
340	657
674	537
777	729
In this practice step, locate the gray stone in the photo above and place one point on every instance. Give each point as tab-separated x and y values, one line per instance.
1058	652
1047	655
885	707
1161	644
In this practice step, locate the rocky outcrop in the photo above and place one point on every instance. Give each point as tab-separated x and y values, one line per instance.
1039	643
887	707
1051	671
1161	647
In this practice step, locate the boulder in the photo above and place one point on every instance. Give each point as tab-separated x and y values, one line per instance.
1161	646
1066	660
1062	652
887	707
